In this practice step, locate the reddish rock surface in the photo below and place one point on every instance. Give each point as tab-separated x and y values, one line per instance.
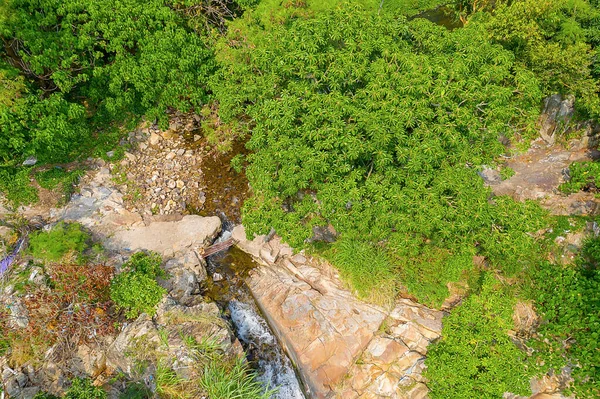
343	347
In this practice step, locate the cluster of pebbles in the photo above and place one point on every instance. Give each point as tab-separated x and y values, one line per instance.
161	173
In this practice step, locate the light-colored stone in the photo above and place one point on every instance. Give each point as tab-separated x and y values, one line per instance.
168	238
154	139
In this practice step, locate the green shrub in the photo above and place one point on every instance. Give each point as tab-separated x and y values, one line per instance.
83	389
16	186
583	175
506	172
375	124
135	290
81	63
147	263
569	299
366	268
62	239
475	356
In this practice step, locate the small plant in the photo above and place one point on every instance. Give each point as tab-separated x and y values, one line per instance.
237	163
62	239
506	172
169	384
145	263
16	185
136	391
44	395
234	382
583	176
135	290
83	389
59	177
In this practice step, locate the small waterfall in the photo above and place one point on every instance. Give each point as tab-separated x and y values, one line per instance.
274	368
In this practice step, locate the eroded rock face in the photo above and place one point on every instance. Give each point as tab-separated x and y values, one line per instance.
538	174
343	347
557	114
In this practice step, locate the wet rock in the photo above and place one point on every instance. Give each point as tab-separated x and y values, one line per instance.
217	277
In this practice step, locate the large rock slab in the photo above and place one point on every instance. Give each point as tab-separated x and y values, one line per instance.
168	238
342	347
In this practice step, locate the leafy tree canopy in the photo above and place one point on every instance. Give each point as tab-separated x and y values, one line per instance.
81	58
376	125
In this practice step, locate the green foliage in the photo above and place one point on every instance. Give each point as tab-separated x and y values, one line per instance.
582	176
135	290
145	263
44	395
375	124
103	59
366	268
569	299
62	239
65	180
475	356
136	391
16	185
83	389
236	382
555	39
506	172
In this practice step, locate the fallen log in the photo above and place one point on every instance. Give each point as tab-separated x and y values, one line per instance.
218	247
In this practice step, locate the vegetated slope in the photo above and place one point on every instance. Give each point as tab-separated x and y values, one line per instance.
357	118
377	126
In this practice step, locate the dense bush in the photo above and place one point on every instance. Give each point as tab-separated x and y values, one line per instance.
62	239
555	39
475	356
569	299
375	124
135	290
80	58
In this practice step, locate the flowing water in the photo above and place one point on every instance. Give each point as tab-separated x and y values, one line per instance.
274	368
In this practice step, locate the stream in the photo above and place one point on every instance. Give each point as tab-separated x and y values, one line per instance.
265	354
